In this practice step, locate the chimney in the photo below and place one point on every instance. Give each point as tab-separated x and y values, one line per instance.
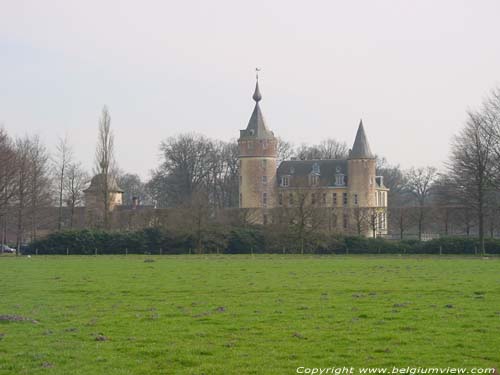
135	202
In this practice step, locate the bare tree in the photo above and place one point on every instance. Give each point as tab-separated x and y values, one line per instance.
39	189
75	180
105	162
63	158
22	189
327	149
8	181
285	149
470	168
419	183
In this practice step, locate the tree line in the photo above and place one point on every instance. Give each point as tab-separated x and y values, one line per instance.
199	176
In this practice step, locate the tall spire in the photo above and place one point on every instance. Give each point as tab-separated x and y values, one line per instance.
361	148
257	126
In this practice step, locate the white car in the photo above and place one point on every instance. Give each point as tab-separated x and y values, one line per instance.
6	249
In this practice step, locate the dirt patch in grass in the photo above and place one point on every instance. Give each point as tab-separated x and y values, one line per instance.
16	318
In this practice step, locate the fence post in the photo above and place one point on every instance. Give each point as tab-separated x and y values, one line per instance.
36	251
67	251
95	253
126	251
161	251
283	249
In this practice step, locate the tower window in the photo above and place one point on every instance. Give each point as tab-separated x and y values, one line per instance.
335	199
313	199
280	199
264	199
344	199
264	180
264	163
290	199
356	199
284	181
324	198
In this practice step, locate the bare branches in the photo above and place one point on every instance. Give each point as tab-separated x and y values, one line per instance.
105	162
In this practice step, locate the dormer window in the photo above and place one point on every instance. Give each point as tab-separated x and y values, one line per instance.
316	168
339	179
285	181
292	170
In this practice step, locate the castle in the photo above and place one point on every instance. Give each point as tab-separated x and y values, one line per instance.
348	190
340	195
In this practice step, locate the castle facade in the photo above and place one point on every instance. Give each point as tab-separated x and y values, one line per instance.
346	193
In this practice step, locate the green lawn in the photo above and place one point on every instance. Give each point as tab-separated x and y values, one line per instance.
266	314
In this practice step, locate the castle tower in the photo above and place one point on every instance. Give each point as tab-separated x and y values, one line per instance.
257	158
361	171
94	198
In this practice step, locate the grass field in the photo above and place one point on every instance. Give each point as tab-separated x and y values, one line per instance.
266	314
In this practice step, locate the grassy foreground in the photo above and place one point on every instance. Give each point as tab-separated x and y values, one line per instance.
266	314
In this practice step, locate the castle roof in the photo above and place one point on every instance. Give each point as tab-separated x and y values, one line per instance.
97	184
361	148
299	170
257	126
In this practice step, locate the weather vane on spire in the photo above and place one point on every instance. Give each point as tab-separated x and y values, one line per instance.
257	70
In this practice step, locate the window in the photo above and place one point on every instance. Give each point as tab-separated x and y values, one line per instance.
334	199
292	170
280	199
264	180
356	199
284	181
250	144
316	168
324	198
241	199
264	199
313	199
264	219
339	180
344	199
290	199
314	179
264	163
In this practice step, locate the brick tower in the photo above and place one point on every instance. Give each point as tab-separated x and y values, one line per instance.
257	158
361	170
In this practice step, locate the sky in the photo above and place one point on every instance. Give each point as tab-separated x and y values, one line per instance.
409	69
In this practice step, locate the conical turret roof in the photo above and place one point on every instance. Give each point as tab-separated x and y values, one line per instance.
361	148
256	127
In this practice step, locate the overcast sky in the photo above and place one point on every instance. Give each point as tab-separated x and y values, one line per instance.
409	69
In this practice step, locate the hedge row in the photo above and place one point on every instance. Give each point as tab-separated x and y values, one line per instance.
243	240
